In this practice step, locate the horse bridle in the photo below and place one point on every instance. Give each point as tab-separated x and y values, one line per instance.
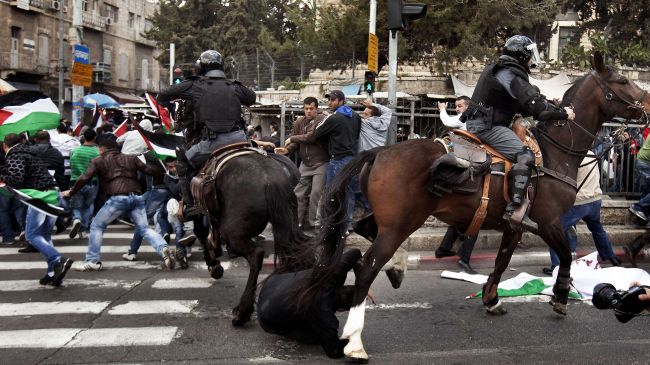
612	95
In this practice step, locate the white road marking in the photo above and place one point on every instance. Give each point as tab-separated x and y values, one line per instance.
49	308
145	248
79	337
144	265
26	285
183	283
154	307
416	305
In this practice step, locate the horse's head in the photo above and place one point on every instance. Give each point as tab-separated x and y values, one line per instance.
620	97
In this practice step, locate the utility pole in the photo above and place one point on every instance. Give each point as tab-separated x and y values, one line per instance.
172	60
61	60
77	91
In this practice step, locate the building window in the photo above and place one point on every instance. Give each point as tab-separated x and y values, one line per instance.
138	21
147	25
15	32
112	12
131	20
108	56
124	67
568	35
84	5
43	50
144	80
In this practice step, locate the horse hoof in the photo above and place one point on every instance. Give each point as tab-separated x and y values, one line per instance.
216	272
558	308
357	357
395	277
497	309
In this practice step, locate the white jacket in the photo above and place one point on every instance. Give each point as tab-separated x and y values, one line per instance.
590	190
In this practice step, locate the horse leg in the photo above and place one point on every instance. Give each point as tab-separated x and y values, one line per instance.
202	231
490	296
373	261
553	235
242	312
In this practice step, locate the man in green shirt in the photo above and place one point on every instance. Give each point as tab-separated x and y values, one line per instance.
83	202
642	208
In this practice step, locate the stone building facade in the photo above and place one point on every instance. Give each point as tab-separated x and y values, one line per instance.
124	62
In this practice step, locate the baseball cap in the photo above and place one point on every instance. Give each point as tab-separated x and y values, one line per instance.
335	94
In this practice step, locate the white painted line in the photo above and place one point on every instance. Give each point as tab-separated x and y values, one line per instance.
145	248
25	285
41	308
185	283
154	307
144	265
416	305
79	337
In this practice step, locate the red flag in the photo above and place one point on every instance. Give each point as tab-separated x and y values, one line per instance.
77	130
161	112
121	129
98	118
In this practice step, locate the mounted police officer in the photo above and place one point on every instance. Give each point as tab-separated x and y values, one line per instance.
212	118
502	91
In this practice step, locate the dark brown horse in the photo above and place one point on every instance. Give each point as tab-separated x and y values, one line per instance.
395	181
249	192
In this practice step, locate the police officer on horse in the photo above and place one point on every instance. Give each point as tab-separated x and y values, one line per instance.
503	90
211	118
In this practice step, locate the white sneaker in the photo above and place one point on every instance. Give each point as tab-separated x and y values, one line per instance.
188	252
82	235
129	256
75	228
89	266
168	261
187	240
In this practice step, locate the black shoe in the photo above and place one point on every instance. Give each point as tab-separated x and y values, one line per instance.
615	261
76	225
28	249
548	271
45	280
60	269
468	269
443	252
639	214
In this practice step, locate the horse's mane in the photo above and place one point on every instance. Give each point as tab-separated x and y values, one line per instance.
573	90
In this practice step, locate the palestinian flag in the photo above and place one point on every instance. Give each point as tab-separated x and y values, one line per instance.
98	117
77	130
27	111
121	129
161	112
163	145
46	202
526	284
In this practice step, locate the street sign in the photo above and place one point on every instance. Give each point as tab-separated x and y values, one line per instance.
82	74
373	53
81	54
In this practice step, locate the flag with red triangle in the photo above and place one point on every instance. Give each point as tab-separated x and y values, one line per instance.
162	112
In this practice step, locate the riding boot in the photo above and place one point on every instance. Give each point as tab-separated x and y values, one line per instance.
517	185
184	178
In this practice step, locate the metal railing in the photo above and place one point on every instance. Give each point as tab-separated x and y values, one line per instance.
421	119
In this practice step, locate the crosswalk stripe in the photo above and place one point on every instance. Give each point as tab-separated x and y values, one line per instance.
183	283
154	307
94	337
143	265
27	285
40	308
83	249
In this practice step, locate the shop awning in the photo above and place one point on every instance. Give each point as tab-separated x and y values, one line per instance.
124	98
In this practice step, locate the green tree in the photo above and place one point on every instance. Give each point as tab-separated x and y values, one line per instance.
619	28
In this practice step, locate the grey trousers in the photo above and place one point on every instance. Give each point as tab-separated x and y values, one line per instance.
308	192
199	153
502	139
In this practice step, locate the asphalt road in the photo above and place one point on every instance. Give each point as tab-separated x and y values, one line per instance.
143	314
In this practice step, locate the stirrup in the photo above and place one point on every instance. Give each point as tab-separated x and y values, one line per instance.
526	224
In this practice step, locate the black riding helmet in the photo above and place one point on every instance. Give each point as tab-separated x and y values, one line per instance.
523	49
210	60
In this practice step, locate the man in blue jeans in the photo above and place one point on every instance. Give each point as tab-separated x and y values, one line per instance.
83	202
23	170
587	208
118	175
10	207
642	208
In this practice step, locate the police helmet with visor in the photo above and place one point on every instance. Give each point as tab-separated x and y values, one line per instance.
210	60
523	49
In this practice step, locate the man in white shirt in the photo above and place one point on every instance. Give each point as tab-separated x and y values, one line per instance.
462	102
132	141
375	120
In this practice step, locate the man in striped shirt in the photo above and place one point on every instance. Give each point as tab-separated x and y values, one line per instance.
83	201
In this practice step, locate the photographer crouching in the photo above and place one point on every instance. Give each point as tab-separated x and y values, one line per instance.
627	304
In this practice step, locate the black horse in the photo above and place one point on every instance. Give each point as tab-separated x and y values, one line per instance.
247	193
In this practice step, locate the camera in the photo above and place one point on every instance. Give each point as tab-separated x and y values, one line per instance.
626	303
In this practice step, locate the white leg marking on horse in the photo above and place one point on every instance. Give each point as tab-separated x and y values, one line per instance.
352	331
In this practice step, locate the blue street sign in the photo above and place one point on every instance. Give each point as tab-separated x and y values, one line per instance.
81	54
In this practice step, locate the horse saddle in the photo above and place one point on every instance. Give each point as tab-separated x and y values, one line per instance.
451	173
202	185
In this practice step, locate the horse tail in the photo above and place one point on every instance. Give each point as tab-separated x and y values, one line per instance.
333	230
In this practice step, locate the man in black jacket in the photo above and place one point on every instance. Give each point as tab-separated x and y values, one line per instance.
217	118
23	170
318	324
54	161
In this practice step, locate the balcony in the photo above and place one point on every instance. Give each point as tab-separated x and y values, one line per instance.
39	6
102	73
94	21
23	63
139	38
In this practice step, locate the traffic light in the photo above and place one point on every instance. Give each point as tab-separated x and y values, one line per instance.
400	14
369	83
178	76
